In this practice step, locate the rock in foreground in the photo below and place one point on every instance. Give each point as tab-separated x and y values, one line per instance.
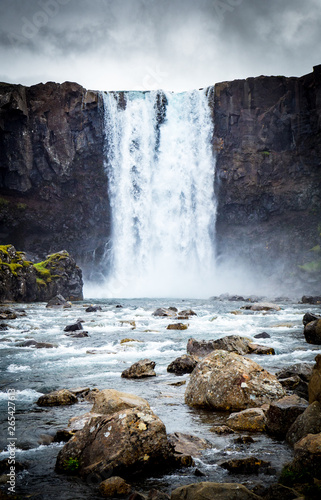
127	442
227	381
217	491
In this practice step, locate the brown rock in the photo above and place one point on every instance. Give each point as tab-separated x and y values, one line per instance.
177	326
187	444
282	413
109	401
315	381
209	491
140	369
114	487
252	419
164	312
262	306
126	442
231	343
309	422
307	455
183	364
221	429
227	381
312	332
57	398
251	465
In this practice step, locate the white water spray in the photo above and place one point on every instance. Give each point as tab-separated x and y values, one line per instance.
161	190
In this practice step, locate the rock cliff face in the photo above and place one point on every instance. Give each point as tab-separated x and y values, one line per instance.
53	187
268	172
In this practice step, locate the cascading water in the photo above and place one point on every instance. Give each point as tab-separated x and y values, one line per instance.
161	169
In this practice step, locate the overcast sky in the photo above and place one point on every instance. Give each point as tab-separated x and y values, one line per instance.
149	44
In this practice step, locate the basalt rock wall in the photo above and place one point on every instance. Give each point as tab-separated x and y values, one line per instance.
53	186
268	170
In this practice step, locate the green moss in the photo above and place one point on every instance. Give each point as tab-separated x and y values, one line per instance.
290	477
42	271
71	464
21	206
13	267
312	267
41	282
265	153
3	203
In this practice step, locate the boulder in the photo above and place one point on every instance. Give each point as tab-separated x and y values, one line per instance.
58	301
57	398
164	312
309	422
183	364
186	314
315	381
109	401
187	444
140	369
231	343
74	327
262	306
263	335
77	334
177	326
209	490
114	487
312	332
252	419
221	429
278	490
307	455
127	442
308	317
260	349
308	299
228	381
36	345
282	413
91	309
303	370
250	465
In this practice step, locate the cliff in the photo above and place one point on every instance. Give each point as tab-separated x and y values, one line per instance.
53	187
268	170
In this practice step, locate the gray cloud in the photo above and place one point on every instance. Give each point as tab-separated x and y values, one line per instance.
174	44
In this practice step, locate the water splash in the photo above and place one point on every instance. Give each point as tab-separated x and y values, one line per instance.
161	170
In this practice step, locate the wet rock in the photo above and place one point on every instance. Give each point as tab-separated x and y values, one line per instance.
178	384
262	306
186	314
310	299
165	312
93	309
3	327
315	381
45	439
36	345
281	414
252	419
110	401
57	301
80	392
128	322
260	349
263	335
187	444
278	491
143	368
221	429
177	326
227	381
77	334
303	370
8	314
157	495
312	332
125	341
231	343
114	487
126	442
57	398
296	385
5	466
74	327
308	317
250	465
307	455
209	490
63	436
244	440
183	364
309	422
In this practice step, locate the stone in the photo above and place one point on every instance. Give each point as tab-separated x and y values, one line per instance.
260	349
228	381
244	440
303	370
110	401
93	309
209	491
183	364
8	314
140	369
262	306
77	334
157	495
164	312
250	465
252	419
315	381
57	398
114	486
177	326
309	422
231	343
57	301
186	314
74	327
221	429
278	490
307	455
187	444
263	335
310	299
281	414
124	443
63	436
296	385
312	332
308	317
36	345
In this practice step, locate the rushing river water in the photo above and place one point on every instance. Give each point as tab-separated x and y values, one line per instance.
98	360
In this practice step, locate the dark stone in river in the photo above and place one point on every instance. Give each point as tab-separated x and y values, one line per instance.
73	327
281	415
308	317
183	364
140	369
250	465
312	332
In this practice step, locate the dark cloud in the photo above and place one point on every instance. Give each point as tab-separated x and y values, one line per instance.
148	43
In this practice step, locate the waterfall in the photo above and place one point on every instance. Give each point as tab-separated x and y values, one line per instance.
160	166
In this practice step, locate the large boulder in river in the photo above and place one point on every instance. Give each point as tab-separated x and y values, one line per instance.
208	490
126	442
228	381
230	343
183	364
57	398
282	413
307	456
140	369
309	422
251	420
110	401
